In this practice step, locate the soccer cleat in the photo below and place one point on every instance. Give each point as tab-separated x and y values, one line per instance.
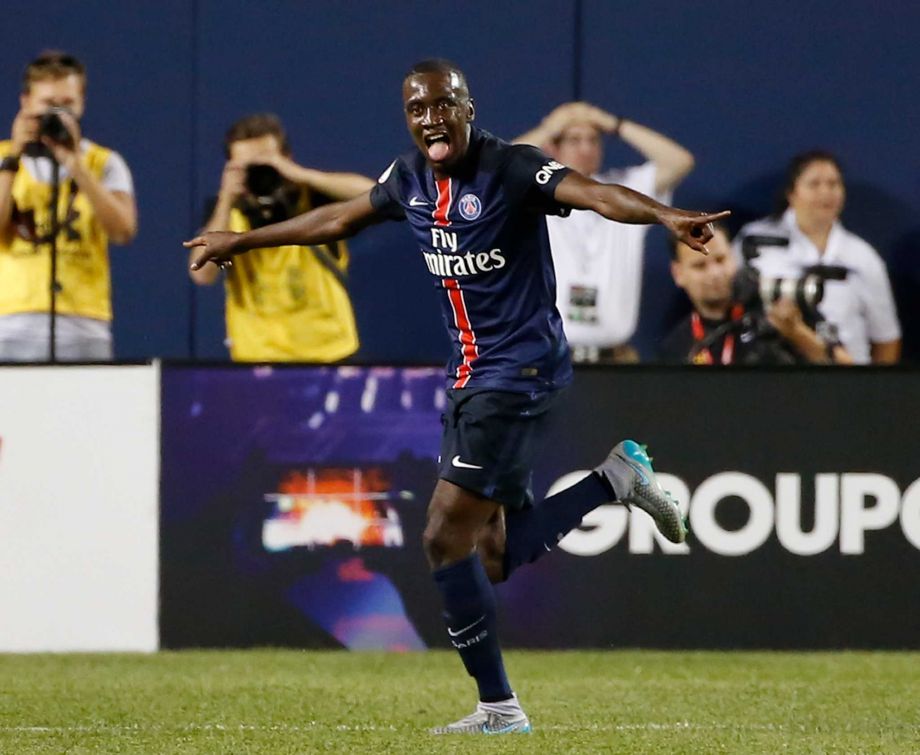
483	721
644	489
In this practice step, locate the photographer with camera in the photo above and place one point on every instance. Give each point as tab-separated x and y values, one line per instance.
47	163
806	238
291	303
737	318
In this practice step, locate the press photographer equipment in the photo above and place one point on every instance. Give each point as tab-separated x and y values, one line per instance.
753	292
271	199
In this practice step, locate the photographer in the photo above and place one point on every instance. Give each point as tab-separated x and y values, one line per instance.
95	204
728	325
808	235
289	303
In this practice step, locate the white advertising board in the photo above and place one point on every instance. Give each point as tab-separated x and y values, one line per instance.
79	477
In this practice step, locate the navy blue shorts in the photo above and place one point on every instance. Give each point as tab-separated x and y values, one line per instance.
490	441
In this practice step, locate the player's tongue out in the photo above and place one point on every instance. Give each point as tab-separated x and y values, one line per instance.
438	150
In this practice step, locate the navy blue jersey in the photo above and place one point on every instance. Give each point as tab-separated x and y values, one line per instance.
483	237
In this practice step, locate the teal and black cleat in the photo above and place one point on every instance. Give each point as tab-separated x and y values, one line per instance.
488	722
644	490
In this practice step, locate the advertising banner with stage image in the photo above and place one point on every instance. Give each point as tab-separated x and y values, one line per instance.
293	502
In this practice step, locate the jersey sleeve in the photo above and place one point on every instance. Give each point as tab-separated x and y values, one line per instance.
386	196
531	177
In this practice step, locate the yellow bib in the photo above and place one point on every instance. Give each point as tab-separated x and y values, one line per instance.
285	305
82	247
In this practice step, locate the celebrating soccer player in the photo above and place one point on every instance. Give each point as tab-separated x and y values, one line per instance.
477	208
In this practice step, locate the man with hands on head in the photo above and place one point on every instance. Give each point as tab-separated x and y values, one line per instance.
95	205
599	264
476	206
288	304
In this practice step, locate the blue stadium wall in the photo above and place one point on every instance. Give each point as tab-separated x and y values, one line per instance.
743	85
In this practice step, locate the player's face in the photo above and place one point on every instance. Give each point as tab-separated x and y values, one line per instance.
67	92
580	147
438	113
818	194
707	279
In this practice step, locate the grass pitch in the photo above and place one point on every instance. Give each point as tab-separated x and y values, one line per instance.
278	701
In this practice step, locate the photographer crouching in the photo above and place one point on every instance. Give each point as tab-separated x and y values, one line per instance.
54	265
737	318
291	303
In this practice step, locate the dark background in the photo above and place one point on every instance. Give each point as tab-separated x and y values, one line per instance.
743	86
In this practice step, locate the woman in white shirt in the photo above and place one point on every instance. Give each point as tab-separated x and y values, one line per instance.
807	232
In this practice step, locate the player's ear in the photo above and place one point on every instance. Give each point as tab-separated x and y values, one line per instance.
471	113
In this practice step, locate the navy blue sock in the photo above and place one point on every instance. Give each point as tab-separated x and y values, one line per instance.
532	532
469	610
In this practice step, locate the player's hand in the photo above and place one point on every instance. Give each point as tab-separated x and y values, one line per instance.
215	246
692	228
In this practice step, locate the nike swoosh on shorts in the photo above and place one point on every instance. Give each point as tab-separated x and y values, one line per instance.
462	464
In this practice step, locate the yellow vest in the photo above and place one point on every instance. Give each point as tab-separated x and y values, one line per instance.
285	305
82	247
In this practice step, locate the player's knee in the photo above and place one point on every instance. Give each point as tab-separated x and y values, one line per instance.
444	545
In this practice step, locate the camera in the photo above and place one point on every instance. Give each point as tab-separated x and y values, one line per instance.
271	199
51	124
756	291
263	180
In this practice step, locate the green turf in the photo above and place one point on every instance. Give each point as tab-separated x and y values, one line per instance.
274	701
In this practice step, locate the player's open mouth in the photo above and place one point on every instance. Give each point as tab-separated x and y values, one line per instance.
438	146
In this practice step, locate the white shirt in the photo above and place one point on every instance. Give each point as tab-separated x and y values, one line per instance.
861	306
599	266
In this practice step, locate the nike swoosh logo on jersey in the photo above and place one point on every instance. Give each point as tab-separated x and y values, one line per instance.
452	633
462	464
416	202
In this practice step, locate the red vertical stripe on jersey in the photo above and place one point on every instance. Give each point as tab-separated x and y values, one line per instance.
467	337
443	204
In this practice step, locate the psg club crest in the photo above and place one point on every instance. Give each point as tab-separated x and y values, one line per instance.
470	206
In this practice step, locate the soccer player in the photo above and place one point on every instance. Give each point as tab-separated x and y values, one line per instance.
477	207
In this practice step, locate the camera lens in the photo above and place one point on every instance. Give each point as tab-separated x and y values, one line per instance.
52	125
262	180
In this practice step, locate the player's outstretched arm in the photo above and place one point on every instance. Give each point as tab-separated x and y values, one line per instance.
323	225
624	205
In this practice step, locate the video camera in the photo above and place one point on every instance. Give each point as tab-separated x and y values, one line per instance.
756	291
271	199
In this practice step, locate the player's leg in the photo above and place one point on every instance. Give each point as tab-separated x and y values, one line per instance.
625	476
479	474
455	518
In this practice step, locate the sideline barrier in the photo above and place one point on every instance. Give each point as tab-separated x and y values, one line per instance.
78	508
292	500
294	497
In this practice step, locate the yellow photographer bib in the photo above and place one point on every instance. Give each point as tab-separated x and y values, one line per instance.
82	247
